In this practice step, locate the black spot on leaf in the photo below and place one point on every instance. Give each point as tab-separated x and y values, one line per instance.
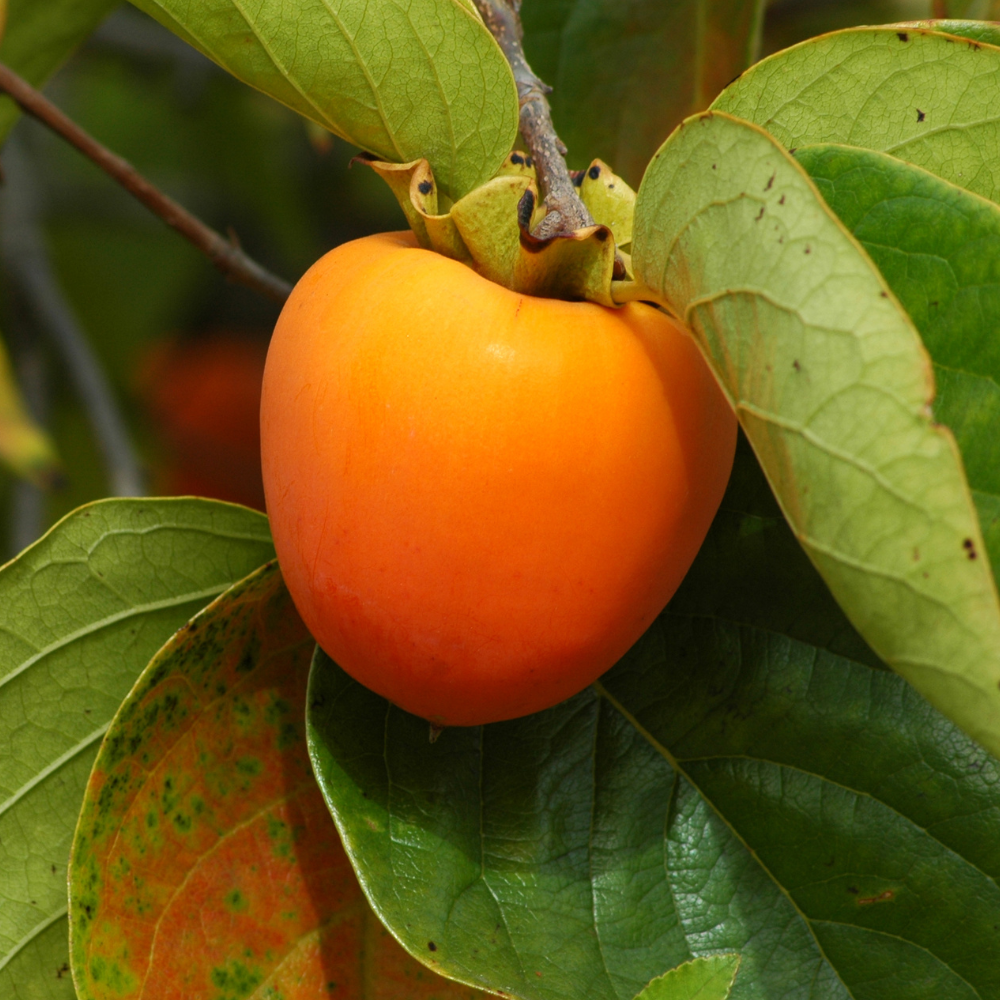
920	115
902	36
594	172
425	187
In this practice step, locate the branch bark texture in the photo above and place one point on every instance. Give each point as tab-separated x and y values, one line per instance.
226	255
565	212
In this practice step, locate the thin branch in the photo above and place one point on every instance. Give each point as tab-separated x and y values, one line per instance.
26	261
224	254
565	212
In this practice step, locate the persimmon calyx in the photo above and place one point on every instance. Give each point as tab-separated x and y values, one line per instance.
490	229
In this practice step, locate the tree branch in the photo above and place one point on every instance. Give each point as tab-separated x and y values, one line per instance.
224	254
565	212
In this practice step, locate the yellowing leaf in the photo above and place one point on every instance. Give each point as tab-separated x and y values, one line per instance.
81	613
205	863
24	446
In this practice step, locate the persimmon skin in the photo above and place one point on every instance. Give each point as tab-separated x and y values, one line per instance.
481	499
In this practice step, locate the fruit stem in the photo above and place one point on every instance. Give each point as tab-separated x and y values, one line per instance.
565	212
225	254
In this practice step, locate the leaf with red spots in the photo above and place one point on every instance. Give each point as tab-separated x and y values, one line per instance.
205	863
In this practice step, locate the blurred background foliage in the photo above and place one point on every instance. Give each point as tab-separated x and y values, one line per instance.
183	349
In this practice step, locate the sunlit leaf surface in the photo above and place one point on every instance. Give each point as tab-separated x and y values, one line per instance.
730	787
625	72
938	247
206	864
927	98
700	979
403	80
81	613
833	387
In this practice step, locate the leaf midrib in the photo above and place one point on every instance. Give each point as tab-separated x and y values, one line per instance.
108	622
39	929
89	740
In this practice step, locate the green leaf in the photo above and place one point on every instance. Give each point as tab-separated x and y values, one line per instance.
726	788
39	38
938	247
81	613
833	388
625	72
24	447
403	80
700	979
927	98
205	860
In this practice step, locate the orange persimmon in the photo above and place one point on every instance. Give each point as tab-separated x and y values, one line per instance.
481	499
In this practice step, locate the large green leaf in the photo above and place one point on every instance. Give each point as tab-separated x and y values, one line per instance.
833	387
938	246
928	98
403	79
625	72
725	788
205	863
700	979
81	613
39	37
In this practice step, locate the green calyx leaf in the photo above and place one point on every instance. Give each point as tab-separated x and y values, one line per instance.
490	229
610	200
24	447
81	613
925	97
938	247
748	779
834	389
709	978
401	80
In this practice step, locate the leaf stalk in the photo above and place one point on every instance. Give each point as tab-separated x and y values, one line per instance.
565	212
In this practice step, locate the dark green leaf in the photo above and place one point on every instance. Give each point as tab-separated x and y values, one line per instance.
625	72
39	37
403	80
81	613
725	788
926	98
938	247
832	385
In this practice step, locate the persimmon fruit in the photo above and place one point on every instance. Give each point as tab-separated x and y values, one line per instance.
481	499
